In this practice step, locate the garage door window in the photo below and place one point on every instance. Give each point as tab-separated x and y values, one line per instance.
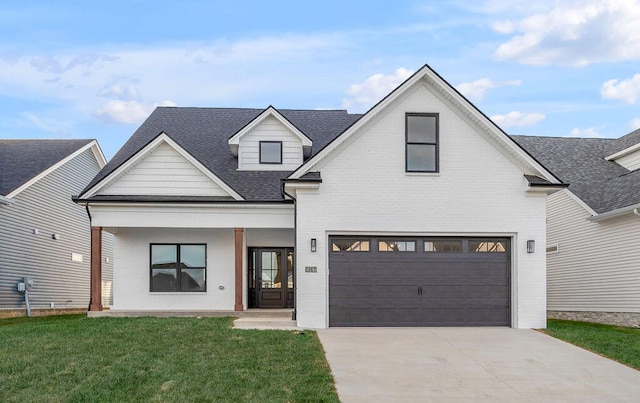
397	246
443	246
488	246
350	245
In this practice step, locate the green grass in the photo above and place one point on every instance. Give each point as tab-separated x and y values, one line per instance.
621	344
74	358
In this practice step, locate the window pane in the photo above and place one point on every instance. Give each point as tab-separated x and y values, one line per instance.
164	256
271	270
290	270
192	255
397	246
270	152
192	280
421	129
164	280
443	246
421	157
487	246
350	245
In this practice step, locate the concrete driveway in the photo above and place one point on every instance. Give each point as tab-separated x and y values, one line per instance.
470	364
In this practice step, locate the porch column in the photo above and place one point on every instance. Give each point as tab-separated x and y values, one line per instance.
95	301
238	306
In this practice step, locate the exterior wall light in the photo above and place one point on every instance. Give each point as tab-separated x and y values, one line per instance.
313	245
531	246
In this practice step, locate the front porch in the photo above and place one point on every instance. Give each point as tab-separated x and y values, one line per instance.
227	283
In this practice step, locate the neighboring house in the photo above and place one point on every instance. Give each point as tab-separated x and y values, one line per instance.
43	233
417	213
593	226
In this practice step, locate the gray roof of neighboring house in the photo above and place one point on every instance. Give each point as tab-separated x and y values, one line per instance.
204	133
603	185
22	160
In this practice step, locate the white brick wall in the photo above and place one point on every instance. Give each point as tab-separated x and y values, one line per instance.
131	270
365	190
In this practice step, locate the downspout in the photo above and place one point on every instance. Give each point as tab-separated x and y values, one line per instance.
295	249
86	206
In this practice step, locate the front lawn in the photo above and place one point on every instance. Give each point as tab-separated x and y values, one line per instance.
618	343
73	358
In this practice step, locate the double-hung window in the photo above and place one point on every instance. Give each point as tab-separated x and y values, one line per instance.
421	142
178	268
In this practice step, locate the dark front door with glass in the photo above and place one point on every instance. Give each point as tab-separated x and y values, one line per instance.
271	277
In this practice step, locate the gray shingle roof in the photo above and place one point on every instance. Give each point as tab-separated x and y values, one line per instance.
204	132
22	160
603	185
623	142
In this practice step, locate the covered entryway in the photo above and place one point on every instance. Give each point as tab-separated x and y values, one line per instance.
419	281
271	278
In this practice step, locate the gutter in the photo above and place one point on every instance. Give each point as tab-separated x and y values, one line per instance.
6	201
635	209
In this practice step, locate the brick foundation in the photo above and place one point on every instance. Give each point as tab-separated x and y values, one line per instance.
629	319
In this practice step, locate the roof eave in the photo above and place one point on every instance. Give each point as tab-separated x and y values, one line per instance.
634	208
6	201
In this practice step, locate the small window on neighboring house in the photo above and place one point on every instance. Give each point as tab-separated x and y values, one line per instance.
552	248
421	142
271	152
178	268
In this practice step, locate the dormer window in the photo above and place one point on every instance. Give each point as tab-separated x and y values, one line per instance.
271	152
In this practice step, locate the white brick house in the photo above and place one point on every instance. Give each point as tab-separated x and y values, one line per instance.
417	213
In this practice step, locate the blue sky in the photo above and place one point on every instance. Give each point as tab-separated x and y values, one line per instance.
88	69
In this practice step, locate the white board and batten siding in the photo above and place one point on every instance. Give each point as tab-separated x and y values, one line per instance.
270	129
630	161
596	265
164	171
60	268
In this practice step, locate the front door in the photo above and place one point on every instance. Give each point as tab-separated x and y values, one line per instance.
271	277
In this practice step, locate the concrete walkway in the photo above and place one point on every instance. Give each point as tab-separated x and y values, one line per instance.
470	364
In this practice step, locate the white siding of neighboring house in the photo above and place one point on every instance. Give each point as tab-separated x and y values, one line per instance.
630	161
164	172
597	266
365	190
269	130
47	207
132	270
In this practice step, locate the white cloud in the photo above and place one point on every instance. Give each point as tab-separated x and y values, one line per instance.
634	124
373	89
589	132
518	119
478	89
627	90
55	126
575	33
120	84
127	112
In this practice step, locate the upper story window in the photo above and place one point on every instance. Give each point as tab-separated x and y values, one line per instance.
271	152
422	142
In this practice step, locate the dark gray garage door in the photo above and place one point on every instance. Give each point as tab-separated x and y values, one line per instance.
375	281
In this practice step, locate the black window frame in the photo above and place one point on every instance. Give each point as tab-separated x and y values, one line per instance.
260	152
178	268
408	143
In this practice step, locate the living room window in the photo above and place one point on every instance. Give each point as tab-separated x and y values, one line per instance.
421	142
271	152
178	268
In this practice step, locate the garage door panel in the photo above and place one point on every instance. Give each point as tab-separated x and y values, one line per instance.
419	288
